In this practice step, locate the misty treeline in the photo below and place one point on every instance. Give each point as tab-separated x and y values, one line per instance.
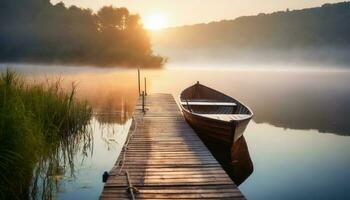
324	30
38	31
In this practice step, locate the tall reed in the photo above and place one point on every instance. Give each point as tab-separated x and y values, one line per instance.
38	123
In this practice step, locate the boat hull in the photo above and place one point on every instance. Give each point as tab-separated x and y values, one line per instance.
227	132
214	115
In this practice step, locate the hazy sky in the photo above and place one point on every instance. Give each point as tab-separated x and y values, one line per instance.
181	12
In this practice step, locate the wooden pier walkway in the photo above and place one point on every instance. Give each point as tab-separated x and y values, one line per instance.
165	159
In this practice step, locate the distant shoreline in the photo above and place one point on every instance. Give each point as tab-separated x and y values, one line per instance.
320	34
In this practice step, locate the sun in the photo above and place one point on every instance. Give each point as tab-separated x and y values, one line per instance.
156	22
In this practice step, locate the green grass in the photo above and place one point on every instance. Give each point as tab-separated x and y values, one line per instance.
40	125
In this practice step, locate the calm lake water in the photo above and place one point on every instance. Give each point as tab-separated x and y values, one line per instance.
299	140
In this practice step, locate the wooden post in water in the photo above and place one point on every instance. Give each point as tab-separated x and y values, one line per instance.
138	79
145	86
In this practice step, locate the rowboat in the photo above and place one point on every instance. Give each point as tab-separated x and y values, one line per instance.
213	114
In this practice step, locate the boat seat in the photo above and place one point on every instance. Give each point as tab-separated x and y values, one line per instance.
199	103
227	117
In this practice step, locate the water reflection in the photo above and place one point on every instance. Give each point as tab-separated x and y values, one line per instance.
73	169
86	182
297	99
58	160
236	161
285	160
296	164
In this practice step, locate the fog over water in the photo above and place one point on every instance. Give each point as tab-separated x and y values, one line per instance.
295	58
298	139
297	98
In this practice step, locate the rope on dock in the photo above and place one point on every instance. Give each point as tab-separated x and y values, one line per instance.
131	189
125	147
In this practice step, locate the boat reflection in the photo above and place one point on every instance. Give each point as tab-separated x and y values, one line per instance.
236	161
241	166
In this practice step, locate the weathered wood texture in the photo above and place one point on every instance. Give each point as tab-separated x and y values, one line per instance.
165	159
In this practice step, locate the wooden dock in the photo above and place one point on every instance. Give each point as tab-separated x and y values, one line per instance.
165	159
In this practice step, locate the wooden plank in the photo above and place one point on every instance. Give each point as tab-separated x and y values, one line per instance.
165	159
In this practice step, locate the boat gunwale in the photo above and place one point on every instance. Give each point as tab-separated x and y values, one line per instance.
217	120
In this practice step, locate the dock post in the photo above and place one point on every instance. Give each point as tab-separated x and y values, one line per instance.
138	80
143	101
145	86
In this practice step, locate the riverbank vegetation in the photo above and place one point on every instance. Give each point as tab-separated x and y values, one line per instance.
39	123
38	31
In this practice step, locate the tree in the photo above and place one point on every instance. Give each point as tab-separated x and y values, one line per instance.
37	31
113	18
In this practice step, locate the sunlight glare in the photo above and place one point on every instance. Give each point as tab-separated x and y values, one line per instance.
156	22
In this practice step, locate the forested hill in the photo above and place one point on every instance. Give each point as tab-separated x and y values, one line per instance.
38	31
308	34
